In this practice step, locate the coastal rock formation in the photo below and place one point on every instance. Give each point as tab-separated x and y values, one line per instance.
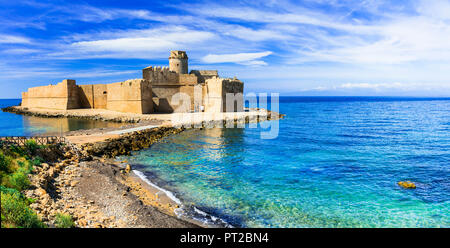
127	168
52	114
95	195
125	144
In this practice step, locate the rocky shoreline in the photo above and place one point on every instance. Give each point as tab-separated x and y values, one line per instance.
250	115
125	144
50	114
97	192
86	182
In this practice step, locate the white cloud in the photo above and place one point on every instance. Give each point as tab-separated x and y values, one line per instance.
438	9
374	86
302	16
241	58
21	51
401	41
139	43
12	39
8	72
391	38
100	73
88	13
245	33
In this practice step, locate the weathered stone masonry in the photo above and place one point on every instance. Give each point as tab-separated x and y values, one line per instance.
152	93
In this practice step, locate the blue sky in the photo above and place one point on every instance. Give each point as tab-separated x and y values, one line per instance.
321	47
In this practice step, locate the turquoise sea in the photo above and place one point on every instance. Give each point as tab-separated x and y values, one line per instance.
335	163
19	125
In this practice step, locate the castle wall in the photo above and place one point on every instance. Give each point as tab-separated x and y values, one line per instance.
160	76
73	101
100	95
133	96
215	91
154	93
62	96
86	96
162	97
204	74
195	98
165	84
25	102
235	87
213	95
93	96
188	79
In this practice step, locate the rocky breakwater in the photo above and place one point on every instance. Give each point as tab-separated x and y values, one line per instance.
66	114
127	143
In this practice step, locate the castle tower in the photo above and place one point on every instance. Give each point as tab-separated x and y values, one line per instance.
178	62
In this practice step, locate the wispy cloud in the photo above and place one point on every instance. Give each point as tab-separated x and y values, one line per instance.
241	58
12	39
395	38
145	43
8	72
19	51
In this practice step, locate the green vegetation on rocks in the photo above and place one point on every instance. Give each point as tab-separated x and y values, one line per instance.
16	212
16	163
64	221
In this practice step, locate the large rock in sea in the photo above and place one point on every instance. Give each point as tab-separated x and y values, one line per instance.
407	184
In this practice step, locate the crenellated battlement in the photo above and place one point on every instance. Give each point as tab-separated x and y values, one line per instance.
160	75
157	68
178	55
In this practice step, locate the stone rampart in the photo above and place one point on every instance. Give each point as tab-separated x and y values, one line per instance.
204	74
63	95
153	93
215	91
93	96
165	84
132	96
160	76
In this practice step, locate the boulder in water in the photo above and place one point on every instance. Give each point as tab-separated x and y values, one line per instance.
407	184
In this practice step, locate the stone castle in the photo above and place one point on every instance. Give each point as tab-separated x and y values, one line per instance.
153	93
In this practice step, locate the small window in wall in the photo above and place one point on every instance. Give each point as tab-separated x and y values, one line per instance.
178	64
104	92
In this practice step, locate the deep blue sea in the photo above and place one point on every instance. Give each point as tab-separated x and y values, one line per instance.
19	125
335	163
